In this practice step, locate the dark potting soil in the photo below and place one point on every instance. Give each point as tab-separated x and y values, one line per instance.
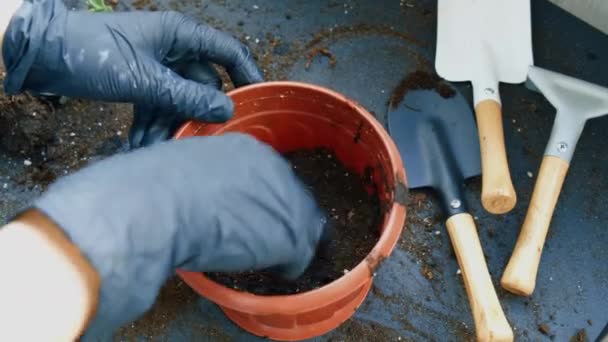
42	138
354	213
420	80
27	124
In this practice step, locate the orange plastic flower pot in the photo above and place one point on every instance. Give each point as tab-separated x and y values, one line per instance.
290	116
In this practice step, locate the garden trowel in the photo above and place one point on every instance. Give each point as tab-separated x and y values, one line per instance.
436	137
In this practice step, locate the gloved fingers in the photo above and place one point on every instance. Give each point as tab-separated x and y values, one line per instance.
201	72
294	270
155	134
216	46
157	130
318	237
328	234
152	125
141	120
185	99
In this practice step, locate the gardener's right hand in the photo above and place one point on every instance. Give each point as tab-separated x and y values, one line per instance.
225	203
160	61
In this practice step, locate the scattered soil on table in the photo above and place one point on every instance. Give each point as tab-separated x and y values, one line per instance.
322	51
580	336
276	55
72	135
27	124
174	299
354	329
420	80
414	307
424	227
352	211
360	30
44	138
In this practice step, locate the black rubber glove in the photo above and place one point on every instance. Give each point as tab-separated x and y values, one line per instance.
152	124
134	57
226	203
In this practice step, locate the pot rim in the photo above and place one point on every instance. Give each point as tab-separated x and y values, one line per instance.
292	304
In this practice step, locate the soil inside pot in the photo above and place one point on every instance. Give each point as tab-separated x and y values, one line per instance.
355	214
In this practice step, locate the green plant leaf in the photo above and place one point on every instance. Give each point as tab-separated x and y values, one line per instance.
98	6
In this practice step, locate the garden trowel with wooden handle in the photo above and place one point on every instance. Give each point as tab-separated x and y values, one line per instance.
486	42
576	102
435	135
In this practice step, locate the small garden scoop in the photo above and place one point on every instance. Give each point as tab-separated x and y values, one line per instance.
576	102
436	137
486	42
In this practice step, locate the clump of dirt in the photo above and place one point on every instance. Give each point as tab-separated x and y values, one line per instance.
427	272
353	213
420	80
544	329
580	336
27	124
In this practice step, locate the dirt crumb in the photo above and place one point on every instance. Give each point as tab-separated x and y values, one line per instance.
580	336
427	272
420	80
544	329
353	213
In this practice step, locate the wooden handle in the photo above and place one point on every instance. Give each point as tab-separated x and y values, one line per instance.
520	274
490	322
497	192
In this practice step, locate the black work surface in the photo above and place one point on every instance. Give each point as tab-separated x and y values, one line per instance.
417	293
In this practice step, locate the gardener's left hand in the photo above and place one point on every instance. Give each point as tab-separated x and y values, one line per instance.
160	61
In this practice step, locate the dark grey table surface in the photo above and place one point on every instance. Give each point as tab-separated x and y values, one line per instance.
376	44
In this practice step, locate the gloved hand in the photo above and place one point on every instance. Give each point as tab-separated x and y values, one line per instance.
160	61
225	203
